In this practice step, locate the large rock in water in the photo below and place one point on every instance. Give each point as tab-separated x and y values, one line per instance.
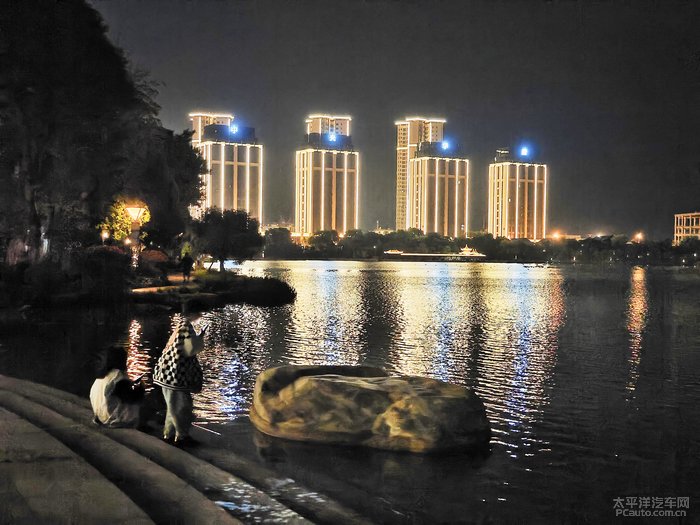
359	405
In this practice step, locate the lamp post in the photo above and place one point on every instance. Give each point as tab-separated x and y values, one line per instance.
104	235
135	211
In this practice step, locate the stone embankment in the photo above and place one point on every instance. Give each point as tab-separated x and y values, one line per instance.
56	466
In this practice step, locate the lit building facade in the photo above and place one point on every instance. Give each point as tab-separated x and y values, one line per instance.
234	178
327	181
517	197
438	191
198	121
686	226
411	132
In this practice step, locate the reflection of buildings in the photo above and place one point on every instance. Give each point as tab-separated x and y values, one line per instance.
234	179
524	310
686	226
517	197
327	177
438	192
410	132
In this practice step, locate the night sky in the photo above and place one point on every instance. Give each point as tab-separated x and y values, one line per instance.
608	94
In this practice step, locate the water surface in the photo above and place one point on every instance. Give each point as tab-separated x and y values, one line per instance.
590	376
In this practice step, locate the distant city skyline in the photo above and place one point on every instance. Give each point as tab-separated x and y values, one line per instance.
614	114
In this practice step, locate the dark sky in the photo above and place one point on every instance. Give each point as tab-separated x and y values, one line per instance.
608	93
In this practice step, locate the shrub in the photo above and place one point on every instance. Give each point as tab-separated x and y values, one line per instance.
45	279
104	271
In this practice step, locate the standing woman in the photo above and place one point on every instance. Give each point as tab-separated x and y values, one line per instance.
179	375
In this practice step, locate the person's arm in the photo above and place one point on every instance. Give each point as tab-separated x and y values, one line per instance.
129	392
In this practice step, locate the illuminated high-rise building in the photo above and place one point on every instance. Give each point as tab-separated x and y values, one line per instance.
234	178
438	190
327	177
198	121
686	226
517	196
410	132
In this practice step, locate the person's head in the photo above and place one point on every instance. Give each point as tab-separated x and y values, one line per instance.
114	357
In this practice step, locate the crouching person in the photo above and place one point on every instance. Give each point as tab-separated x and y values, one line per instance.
116	400
179	375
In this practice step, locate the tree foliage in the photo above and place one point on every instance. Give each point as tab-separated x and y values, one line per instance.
118	222
78	128
232	234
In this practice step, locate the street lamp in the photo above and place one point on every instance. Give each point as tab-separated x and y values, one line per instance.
639	237
136	212
104	235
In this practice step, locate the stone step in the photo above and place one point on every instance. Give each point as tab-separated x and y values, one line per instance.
43	481
241	499
203	472
161	494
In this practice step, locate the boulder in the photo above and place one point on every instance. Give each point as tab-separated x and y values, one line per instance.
360	405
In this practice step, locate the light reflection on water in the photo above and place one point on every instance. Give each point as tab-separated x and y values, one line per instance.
491	327
637	307
487	326
587	373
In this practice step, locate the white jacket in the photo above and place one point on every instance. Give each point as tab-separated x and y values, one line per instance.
108	408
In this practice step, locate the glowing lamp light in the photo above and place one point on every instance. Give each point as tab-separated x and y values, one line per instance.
104	235
556	235
639	237
524	151
234	129
445	145
135	212
332	137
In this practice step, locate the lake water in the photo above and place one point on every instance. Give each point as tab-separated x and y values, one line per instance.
590	377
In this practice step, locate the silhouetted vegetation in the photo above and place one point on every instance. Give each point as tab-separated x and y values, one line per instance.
357	244
232	234
279	245
77	129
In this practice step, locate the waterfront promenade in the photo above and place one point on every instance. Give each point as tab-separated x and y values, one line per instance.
56	466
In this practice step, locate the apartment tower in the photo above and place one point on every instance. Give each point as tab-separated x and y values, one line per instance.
410	132
438	191
234	178
327	182
686	226
517	197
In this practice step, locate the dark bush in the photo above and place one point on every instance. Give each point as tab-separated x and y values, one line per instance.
45	280
12	282
105	271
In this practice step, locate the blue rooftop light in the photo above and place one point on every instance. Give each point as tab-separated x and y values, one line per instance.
332	137
234	129
524	151
445	144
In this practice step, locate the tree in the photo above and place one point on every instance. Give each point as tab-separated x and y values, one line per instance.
325	242
279	244
232	234
77	129
486	244
118	222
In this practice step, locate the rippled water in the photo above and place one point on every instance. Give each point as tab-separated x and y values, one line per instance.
590	376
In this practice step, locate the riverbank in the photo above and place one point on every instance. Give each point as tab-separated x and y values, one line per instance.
58	467
208	290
